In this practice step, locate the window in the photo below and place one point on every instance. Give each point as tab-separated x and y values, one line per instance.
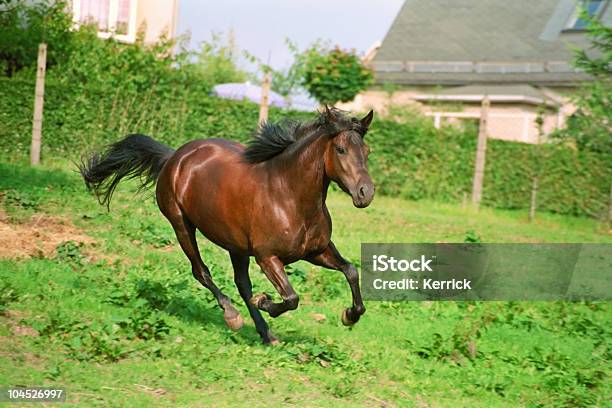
123	17
95	11
116	18
593	7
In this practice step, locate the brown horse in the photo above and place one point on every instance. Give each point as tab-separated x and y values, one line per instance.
266	200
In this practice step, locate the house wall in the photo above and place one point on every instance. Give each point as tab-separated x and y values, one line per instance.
507	121
380	100
157	17
512	122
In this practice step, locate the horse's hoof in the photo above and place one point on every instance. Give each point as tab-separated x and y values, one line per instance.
257	299
345	319
271	341
233	320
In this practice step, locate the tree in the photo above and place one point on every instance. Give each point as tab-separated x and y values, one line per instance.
330	75
23	26
591	125
217	61
284	82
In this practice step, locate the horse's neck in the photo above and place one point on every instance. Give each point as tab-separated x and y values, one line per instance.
304	169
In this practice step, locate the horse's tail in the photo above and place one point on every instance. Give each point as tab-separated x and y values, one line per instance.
134	156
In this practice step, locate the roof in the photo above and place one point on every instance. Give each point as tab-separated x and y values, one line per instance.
496	93
466	41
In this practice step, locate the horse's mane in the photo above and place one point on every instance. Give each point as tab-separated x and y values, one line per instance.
271	139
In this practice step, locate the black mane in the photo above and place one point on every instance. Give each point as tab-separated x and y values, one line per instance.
273	138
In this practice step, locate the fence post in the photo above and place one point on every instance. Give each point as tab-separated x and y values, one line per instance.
265	94
534	199
39	98
537	162
481	152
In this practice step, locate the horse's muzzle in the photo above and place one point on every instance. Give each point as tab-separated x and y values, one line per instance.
363	194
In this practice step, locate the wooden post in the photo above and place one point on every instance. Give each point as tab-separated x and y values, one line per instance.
437	120
39	98
534	199
265	94
538	160
481	152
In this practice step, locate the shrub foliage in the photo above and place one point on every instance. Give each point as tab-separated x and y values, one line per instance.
101	90
590	127
332	75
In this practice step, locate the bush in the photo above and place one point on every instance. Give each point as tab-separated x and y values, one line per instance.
416	161
23	26
589	127
105	90
332	75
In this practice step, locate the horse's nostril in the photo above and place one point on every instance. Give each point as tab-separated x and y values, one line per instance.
362	191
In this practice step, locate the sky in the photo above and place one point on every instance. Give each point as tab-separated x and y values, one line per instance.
261	26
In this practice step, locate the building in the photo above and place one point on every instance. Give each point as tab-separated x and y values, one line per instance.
122	19
443	56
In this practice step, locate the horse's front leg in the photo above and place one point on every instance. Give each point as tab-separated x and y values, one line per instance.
275	272
332	259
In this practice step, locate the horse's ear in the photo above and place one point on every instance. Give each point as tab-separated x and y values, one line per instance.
365	122
329	113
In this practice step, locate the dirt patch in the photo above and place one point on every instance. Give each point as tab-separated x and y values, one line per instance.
13	319
12	348
24	331
156	392
37	237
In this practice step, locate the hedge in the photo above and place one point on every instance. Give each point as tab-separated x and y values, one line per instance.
411	159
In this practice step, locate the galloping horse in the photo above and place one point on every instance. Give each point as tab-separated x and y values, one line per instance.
265	200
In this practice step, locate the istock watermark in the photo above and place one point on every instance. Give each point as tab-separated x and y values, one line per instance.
476	271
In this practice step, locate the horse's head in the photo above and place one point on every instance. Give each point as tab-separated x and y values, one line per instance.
346	157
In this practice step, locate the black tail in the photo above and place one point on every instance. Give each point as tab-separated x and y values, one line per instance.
134	156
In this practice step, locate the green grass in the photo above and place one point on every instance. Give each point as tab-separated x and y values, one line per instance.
121	322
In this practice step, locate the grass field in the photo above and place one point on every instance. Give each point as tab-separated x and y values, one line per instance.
119	321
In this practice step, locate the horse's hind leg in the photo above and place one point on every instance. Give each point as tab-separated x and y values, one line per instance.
243	282
185	233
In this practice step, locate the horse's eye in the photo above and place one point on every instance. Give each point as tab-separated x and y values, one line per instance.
340	150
